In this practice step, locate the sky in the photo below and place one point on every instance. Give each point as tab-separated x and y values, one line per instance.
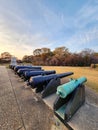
29	24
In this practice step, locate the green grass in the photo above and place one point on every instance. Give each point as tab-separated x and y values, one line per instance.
90	74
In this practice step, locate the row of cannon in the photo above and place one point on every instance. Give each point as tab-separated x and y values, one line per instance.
69	96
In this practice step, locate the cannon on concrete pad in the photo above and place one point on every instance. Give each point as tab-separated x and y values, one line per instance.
29	74
70	98
23	67
47	85
12	66
21	72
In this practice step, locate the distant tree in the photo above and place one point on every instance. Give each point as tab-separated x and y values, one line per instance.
27	59
95	58
87	55
87	52
6	55
45	50
62	56
37	52
61	51
54	61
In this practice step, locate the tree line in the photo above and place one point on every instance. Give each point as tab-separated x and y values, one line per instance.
61	56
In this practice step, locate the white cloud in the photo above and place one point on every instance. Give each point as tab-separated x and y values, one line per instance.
83	35
83	39
87	14
21	36
20	45
16	36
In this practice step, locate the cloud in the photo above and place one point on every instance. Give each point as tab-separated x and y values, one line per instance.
20	45
36	25
87	14
85	26
16	35
83	39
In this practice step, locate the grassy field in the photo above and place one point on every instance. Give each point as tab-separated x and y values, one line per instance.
90	74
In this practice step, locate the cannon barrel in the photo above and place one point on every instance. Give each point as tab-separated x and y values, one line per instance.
12	66
66	89
20	72
22	67
41	80
27	75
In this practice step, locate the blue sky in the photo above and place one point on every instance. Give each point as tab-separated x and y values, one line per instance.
29	24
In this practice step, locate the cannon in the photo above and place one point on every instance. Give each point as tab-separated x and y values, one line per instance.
22	67
47	84
21	72
66	89
11	66
70	98
28	74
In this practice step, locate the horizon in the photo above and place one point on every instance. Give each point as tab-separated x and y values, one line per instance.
27	25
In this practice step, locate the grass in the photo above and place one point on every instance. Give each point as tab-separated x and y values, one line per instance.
90	74
5	64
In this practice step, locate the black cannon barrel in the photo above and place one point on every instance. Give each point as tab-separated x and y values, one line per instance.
21	72
41	80
12	66
22	67
35	73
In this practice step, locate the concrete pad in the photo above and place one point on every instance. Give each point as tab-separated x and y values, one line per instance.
87	116
10	118
5	89
50	100
9	114
35	114
58	125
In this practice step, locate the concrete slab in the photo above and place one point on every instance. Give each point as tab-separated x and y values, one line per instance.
22	109
87	116
35	114
9	114
50	100
10	118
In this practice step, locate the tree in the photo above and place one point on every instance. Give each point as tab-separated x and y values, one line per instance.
61	51
6	55
37	52
45	50
61	57
27	59
87	52
41	51
87	55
